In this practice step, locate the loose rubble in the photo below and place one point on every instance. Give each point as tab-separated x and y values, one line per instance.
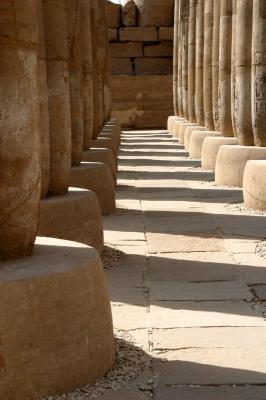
110	257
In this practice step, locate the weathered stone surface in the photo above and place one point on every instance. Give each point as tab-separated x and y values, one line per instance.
113	14
254	185
197	140
210	149
57	58
130	49
75	216
191	60
211	392
166	33
122	66
211	367
155	12
259	72
129	13
102	155
43	105
207	64
55	291
184	11
188	132
215	63
231	162
199	291
138	34
112	34
164	49
122	311
199	107
74	36
153	66
174	314
20	135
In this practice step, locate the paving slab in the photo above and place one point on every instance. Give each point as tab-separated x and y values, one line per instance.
174	314
128	317
178	338
260	291
174	242
211	393
199	291
213	366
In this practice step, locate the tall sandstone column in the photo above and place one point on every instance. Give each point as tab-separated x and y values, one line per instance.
225	67
43	105
215	63
259	72
175	58
199	62
87	74
75	72
179	77
207	64
191	60
57	59
184	24
20	134
233	68
243	43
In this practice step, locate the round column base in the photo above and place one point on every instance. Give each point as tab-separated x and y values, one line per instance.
182	128
210	149
55	321
110	131
106	142
254	185
101	155
175	126
75	216
231	163
98	178
170	121
188	133
196	142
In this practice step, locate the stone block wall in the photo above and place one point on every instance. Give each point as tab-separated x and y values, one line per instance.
141	49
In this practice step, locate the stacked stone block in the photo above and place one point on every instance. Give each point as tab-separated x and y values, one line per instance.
141	45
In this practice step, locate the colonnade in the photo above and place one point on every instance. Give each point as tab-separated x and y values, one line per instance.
58	156
220	90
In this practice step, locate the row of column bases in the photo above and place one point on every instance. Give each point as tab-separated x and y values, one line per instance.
58	157
219	88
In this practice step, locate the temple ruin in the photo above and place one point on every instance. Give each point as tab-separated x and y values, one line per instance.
133	199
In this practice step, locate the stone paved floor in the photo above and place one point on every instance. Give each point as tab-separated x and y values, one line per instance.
191	285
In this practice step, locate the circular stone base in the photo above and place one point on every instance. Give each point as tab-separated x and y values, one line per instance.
210	149
116	128
188	133
182	128
101	155
170	122
75	216
254	185
196	142
111	132
175	126
55	321
98	178
231	162
108	143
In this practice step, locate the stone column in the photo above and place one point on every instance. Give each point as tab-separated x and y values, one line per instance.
184	26
97	83
75	71
225	67
259	72
243	42
155	12
19	124
179	77
43	105
191	60
87	74
233	68
199	62
57	59
107	64
207	64
175	58
215	63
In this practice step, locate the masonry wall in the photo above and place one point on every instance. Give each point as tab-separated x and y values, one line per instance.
141	51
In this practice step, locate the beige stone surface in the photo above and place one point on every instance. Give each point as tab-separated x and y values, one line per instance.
19	140
199	107
98	178
188	132
231	162
102	155
210	149
138	34
129	13
75	216
155	12
113	14
54	294
254	186
215	63
196	142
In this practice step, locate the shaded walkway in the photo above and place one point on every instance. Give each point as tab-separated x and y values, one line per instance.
191	285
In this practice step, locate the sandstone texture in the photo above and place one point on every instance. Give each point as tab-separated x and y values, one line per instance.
254	187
